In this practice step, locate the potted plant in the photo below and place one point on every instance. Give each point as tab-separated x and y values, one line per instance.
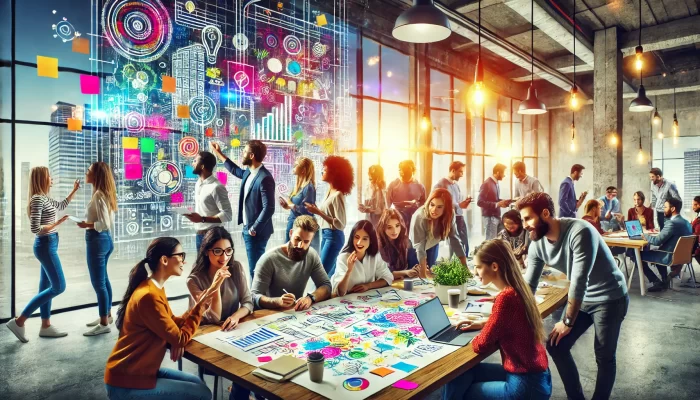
450	274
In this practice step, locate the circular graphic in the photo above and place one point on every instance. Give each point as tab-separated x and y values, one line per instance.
163	178
132	228
219	122
242	79
141	97
140	31
282	188
142	76
235	143
188	146
202	110
325	64
271	41
293	68
318	49
274	65
292	45
134	122
356	384
240	41
64	30
162	65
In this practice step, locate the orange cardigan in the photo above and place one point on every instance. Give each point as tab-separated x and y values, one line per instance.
149	324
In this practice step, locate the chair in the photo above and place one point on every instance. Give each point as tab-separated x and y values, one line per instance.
683	255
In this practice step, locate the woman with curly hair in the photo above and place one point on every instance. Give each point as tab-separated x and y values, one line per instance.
332	209
375	197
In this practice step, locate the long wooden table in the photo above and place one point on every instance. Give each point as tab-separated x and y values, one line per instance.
637	246
430	378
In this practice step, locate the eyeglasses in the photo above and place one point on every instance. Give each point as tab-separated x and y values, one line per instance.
182	255
219	251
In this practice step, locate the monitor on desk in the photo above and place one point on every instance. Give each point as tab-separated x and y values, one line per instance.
634	230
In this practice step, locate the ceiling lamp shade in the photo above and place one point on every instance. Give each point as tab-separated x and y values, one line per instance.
422	23
641	103
532	105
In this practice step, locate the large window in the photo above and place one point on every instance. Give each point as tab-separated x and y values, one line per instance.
679	159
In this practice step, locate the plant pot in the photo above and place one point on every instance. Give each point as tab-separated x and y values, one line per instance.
441	292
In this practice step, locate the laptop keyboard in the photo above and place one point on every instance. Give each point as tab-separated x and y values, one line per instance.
448	335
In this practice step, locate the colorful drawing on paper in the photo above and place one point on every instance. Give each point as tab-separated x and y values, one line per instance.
163	178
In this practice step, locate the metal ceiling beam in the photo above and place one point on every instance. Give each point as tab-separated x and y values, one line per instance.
672	34
563	64
659	85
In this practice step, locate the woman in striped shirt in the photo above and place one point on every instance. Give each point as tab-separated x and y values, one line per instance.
42	216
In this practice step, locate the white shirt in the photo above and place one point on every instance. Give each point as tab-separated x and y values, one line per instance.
333	205
528	185
211	200
370	269
246	189
99	213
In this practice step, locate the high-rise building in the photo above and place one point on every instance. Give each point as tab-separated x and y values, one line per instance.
188	70
692	177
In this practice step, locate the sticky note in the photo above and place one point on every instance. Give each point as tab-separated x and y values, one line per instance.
75	124
130	142
209	132
168	84
148	145
183	111
222	177
47	66
177	198
382	371
321	20
81	45
133	172
89	84
235	143
405	367
189	172
405	385
161	153
264	358
132	156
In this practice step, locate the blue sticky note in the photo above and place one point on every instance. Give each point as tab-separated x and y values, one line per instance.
189	172
405	367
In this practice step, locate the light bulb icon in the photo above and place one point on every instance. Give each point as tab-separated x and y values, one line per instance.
211	38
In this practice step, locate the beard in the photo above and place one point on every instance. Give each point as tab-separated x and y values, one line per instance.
197	169
668	214
247	161
295	253
539	231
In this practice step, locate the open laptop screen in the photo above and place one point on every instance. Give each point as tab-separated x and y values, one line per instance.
634	229
432	317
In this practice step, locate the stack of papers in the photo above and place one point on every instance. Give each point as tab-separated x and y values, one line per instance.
281	369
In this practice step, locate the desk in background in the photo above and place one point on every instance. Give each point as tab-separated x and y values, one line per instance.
617	240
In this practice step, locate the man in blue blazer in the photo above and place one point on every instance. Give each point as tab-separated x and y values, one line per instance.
674	228
256	202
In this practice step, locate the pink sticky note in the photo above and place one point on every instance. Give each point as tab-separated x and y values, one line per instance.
133	172
264	358
89	84
132	156
177	198
405	385
222	177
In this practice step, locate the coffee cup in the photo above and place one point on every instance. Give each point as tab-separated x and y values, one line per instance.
408	284
315	363
453	296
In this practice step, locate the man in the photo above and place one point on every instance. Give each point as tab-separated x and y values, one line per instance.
661	189
610	211
256	202
597	293
491	203
211	204
405	193
568	204
451	183
674	228
696	227
525	184
282	273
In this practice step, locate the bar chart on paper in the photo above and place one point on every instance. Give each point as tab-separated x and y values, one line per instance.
254	339
276	125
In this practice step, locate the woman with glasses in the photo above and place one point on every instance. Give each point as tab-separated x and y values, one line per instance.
147	325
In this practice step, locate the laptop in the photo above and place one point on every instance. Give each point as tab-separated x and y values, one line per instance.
437	327
634	230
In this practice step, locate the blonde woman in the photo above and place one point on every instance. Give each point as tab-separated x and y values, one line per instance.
43	223
99	221
375	198
304	192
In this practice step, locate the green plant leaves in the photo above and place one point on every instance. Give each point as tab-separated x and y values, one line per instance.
451	272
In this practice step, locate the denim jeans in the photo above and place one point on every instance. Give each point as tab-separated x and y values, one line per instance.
51	282
432	254
462	233
99	247
254	248
491	381
170	384
490	227
607	319
333	242
315	242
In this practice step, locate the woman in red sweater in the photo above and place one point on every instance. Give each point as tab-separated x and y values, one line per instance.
515	328
147	325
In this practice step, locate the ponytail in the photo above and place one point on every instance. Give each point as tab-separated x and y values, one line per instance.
137	275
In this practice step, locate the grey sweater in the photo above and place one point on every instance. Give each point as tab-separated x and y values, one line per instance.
275	272
423	240
583	256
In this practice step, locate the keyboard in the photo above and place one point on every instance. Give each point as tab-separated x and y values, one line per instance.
448	335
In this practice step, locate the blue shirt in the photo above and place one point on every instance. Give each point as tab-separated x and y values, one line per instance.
567	198
307	194
614	207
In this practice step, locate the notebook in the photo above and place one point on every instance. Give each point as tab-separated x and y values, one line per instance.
281	369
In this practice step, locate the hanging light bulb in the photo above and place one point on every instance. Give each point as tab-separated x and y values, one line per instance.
660	135
613	139
638	62
573	100
657	118
478	94
425	123
641	103
640	155
675	125
572	147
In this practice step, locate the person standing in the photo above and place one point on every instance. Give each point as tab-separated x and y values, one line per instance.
304	192
568	204
256	202
661	189
597	293
610	212
526	184
644	215
99	221
696	227
375	198
491	203
451	183
405	193
43	223
211	204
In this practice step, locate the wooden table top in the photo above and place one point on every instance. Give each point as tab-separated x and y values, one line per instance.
429	378
624	242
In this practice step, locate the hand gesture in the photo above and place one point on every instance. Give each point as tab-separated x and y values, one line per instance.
303	304
413	272
560	330
176	352
362	208
283	203
286	300
465	203
469	325
351	261
360	288
310	207
76	185
608	214
61	220
84	225
503	203
230	324
583	195
215	146
193	217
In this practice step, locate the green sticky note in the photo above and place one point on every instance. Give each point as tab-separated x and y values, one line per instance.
148	145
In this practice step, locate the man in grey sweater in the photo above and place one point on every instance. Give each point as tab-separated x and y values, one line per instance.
597	293
281	273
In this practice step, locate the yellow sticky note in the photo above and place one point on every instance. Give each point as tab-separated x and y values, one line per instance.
130	142
81	45
75	124
321	20
47	66
183	111
449	312
235	143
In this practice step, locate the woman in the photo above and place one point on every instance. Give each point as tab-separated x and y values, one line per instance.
592	214
147	325
304	192
332	209
375	198
360	268
42	210
514	327
515	234
432	223
394	246
645	215
99	220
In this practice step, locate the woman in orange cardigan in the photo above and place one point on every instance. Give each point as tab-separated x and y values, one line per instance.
146	325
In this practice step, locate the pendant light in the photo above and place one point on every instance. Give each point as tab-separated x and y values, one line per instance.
572	147
573	101
656	119
639	51
478	94
641	103
675	127
532	105
422	23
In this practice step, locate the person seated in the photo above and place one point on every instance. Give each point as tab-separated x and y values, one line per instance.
610	215
639	212
515	327
592	214
394	247
696	228
515	234
281	274
360	267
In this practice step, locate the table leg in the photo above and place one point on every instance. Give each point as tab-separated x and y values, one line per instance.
640	271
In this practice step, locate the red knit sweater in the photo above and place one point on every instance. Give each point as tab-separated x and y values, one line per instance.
508	330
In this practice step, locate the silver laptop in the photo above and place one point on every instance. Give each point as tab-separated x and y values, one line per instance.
634	229
437	327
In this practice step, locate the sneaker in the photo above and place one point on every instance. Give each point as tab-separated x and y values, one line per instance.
17	330
51	332
97	322
98	330
658	286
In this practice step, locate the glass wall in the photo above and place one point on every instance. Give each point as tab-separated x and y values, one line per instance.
679	159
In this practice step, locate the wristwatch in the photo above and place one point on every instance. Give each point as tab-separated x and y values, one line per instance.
312	297
202	220
568	322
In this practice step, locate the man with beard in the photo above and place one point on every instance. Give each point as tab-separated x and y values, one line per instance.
256	202
282	273
661	189
211	204
405	193
597	293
